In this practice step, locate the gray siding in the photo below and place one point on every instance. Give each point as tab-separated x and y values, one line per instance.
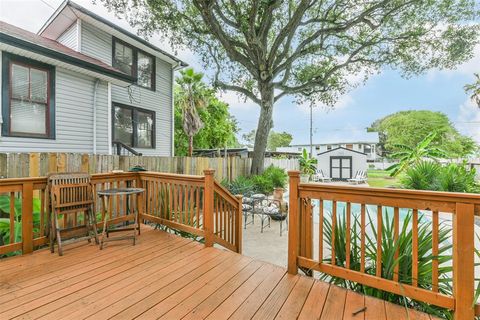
69	37
159	101
74	118
96	43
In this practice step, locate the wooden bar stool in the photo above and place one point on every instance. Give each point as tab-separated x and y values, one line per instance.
128	193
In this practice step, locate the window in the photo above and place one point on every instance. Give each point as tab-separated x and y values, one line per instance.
134	127
28	109
329	147
349	146
134	62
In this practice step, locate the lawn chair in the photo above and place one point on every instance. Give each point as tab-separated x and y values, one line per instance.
320	176
360	177
70	193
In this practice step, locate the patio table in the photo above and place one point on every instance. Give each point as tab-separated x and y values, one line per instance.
128	193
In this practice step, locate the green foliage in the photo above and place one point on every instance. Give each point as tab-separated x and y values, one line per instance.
474	89
241	185
273	177
409	156
389	247
277	175
219	129
428	175
409	128
275	139
17	229
307	164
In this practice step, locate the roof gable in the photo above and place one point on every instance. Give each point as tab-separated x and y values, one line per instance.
69	11
350	150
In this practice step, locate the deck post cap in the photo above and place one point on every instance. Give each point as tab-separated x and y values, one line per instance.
293	173
209	171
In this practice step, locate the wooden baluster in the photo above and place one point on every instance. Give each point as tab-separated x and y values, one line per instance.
415	247
463	261
238	224
293	221
362	237
12	217
197	202
348	236
302	242
208	207
191	206
308	228
334	225
225	219
396	230
435	235
186	214
320	231
379	242
170	201
27	218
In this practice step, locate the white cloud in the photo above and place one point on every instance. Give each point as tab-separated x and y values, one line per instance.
469	119
344	102
236	102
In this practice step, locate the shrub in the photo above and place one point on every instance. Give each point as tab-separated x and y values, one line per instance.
263	184
428	175
241	185
277	175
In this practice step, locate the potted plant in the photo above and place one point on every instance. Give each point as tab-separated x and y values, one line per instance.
307	166
279	179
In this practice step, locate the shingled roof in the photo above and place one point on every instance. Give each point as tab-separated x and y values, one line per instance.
21	38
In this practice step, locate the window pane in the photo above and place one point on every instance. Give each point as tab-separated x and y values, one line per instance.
123	59
144	129
20	82
144	66
38	85
123	126
27	117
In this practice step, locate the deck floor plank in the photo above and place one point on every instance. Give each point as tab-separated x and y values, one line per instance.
169	277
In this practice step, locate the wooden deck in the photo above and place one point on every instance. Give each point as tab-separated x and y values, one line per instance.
168	277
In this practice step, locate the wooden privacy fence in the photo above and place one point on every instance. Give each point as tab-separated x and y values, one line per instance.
195	204
351	219
19	165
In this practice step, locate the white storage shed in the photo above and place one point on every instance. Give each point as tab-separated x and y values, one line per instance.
341	163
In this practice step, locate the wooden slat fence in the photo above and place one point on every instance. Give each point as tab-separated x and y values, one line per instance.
19	165
182	202
352	219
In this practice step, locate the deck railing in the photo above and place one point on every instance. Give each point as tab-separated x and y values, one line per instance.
186	203
353	209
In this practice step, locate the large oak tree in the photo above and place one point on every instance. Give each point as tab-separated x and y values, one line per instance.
312	50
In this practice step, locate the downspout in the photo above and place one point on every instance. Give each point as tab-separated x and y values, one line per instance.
95	89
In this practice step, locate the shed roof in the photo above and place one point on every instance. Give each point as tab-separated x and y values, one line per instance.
350	150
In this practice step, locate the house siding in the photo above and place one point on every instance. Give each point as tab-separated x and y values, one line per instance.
70	37
98	44
74	118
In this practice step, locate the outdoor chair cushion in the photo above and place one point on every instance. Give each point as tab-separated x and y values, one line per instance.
246	207
247	200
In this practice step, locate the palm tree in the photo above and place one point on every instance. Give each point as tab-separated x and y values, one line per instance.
191	96
409	156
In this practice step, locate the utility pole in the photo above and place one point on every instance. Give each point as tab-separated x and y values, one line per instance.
311	131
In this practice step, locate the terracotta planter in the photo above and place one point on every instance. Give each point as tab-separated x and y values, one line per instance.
304	178
278	194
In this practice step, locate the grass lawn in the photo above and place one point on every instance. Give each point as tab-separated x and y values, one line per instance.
381	178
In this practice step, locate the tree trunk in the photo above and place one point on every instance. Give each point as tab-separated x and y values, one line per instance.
190	146
263	129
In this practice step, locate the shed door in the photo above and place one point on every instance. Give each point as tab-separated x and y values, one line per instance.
341	168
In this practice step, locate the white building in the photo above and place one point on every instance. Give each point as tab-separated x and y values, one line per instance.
366	143
341	163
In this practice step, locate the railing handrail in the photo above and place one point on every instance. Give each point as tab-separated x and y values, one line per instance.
461	206
186	188
120	145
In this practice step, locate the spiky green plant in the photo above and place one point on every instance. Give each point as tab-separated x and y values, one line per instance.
389	247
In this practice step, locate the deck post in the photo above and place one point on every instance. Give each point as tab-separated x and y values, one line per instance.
293	221
208	207
463	261
27	218
238	224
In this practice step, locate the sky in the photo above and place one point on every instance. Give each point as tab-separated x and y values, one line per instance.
383	94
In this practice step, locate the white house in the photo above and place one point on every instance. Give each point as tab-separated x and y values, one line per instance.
365	143
341	163
83	84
